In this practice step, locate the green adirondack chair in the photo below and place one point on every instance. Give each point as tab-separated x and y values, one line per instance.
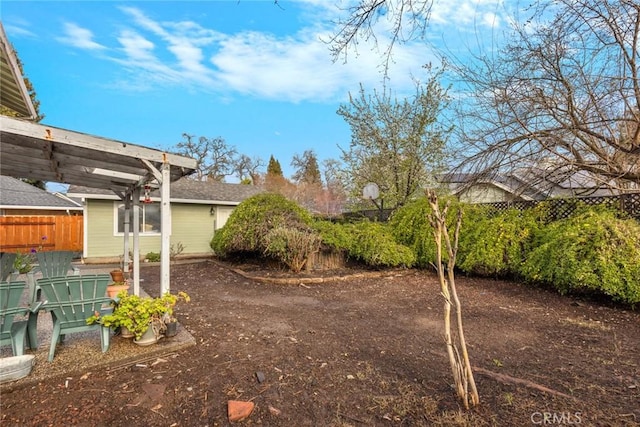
53	264
71	301
12	329
6	265
56	263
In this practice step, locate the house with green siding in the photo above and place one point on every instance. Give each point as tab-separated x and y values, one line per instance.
198	209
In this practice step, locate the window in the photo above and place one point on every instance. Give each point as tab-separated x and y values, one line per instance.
149	218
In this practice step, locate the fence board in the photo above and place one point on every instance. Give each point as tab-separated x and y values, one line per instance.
57	232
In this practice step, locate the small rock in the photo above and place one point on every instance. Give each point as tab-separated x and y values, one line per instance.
274	411
351	377
238	410
260	376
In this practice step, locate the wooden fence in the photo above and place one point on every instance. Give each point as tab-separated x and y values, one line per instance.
46	233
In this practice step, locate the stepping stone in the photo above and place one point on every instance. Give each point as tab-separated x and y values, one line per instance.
238	410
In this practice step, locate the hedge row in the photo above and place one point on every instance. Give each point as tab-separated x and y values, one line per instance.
592	251
274	227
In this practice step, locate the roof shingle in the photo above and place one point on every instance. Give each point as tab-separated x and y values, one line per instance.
14	192
188	189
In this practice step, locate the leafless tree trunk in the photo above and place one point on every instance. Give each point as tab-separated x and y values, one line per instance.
458	356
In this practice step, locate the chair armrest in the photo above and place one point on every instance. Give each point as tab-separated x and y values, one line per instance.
36	306
15	311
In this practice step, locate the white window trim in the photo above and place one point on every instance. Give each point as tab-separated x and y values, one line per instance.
116	206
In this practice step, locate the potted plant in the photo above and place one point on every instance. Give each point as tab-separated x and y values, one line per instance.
170	321
115	288
152	316
143	317
117	275
23	263
122	316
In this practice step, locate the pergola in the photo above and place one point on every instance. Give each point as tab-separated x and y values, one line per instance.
42	152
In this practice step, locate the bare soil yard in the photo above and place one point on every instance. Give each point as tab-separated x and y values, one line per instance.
363	351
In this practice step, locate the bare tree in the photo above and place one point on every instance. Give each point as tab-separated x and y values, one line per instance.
464	381
215	159
562	97
335	196
406	20
248	168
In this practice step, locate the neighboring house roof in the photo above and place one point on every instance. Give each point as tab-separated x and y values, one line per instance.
185	191
17	194
511	184
531	183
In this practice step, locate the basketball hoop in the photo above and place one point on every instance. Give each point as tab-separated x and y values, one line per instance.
370	191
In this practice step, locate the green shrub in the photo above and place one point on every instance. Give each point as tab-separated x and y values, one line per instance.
497	245
592	251
333	235
153	256
410	226
291	246
373	244
368	242
250	222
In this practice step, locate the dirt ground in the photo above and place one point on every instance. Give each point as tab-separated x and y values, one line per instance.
365	351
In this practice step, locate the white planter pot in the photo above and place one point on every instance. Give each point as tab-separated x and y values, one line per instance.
148	338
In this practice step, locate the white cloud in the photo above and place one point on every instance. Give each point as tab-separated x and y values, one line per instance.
491	20
468	13
300	68
17	29
297	67
184	40
79	37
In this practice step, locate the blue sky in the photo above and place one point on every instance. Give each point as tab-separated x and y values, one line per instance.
254	73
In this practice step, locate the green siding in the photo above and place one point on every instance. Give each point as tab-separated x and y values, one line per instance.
100	239
192	225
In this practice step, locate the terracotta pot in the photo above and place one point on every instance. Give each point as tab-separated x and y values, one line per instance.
117	275
114	290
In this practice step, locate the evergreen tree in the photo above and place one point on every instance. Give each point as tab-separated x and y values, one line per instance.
274	168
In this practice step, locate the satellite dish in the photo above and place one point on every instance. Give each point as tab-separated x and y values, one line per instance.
370	191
